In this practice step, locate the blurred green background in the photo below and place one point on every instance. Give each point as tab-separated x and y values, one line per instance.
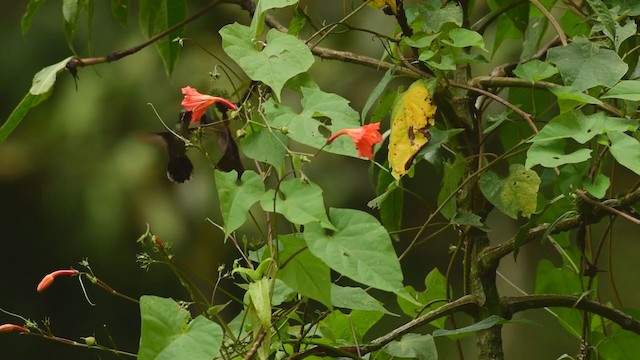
78	180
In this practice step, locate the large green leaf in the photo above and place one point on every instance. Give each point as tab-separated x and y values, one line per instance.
41	88
414	346
626	150
604	17
257	23
167	333
306	127
237	196
435	289
535	70
462	38
516	193
621	345
551	154
453	174
581	127
27	18
562	280
70	13
300	201
304	272
355	298
265	145
283	57
157	16
570	98
583	65
626	90
341	328
260	294
360	249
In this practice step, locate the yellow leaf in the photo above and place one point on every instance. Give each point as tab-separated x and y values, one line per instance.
413	114
381	3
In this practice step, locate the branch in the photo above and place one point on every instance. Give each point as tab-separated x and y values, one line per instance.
465	303
492	255
75	63
493	82
516	304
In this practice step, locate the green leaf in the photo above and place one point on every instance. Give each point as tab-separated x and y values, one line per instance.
157	16
360	249
431	17
604	17
438	138
453	174
377	91
260	294
487	323
621	345
28	102
626	150
283	57
265	145
420	40
583	65
390	201
304	272
466	218
120	10
435	289
535	70
462	38
624	32
414	346
552	280
599	187
551	154
305	127
625	89
237	196
355	298
516	193
297	23
510	25
44	79
341	328
70	13
257	23
445	63
569	98
581	127
300	201
27	18
167	333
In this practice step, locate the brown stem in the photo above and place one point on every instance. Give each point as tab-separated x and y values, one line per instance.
516	304
75	63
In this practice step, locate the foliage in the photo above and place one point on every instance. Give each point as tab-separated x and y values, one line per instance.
316	281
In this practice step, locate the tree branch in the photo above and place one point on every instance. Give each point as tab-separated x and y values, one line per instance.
492	255
516	304
465	303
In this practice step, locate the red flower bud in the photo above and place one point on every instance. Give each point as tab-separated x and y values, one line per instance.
6	328
198	103
48	279
364	137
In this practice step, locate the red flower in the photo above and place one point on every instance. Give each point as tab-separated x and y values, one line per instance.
48	279
5	328
364	137
198	103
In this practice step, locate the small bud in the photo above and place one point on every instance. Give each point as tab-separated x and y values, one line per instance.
7	328
241	133
48	279
234	114
90	341
284	130
157	242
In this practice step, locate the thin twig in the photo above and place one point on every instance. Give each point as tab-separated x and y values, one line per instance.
552	20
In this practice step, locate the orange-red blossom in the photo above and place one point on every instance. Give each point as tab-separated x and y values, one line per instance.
364	137
198	103
6	328
48	279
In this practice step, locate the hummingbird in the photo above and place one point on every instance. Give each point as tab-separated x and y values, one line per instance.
179	166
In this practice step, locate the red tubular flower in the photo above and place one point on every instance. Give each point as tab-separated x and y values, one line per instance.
48	279
198	103
364	137
6	328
